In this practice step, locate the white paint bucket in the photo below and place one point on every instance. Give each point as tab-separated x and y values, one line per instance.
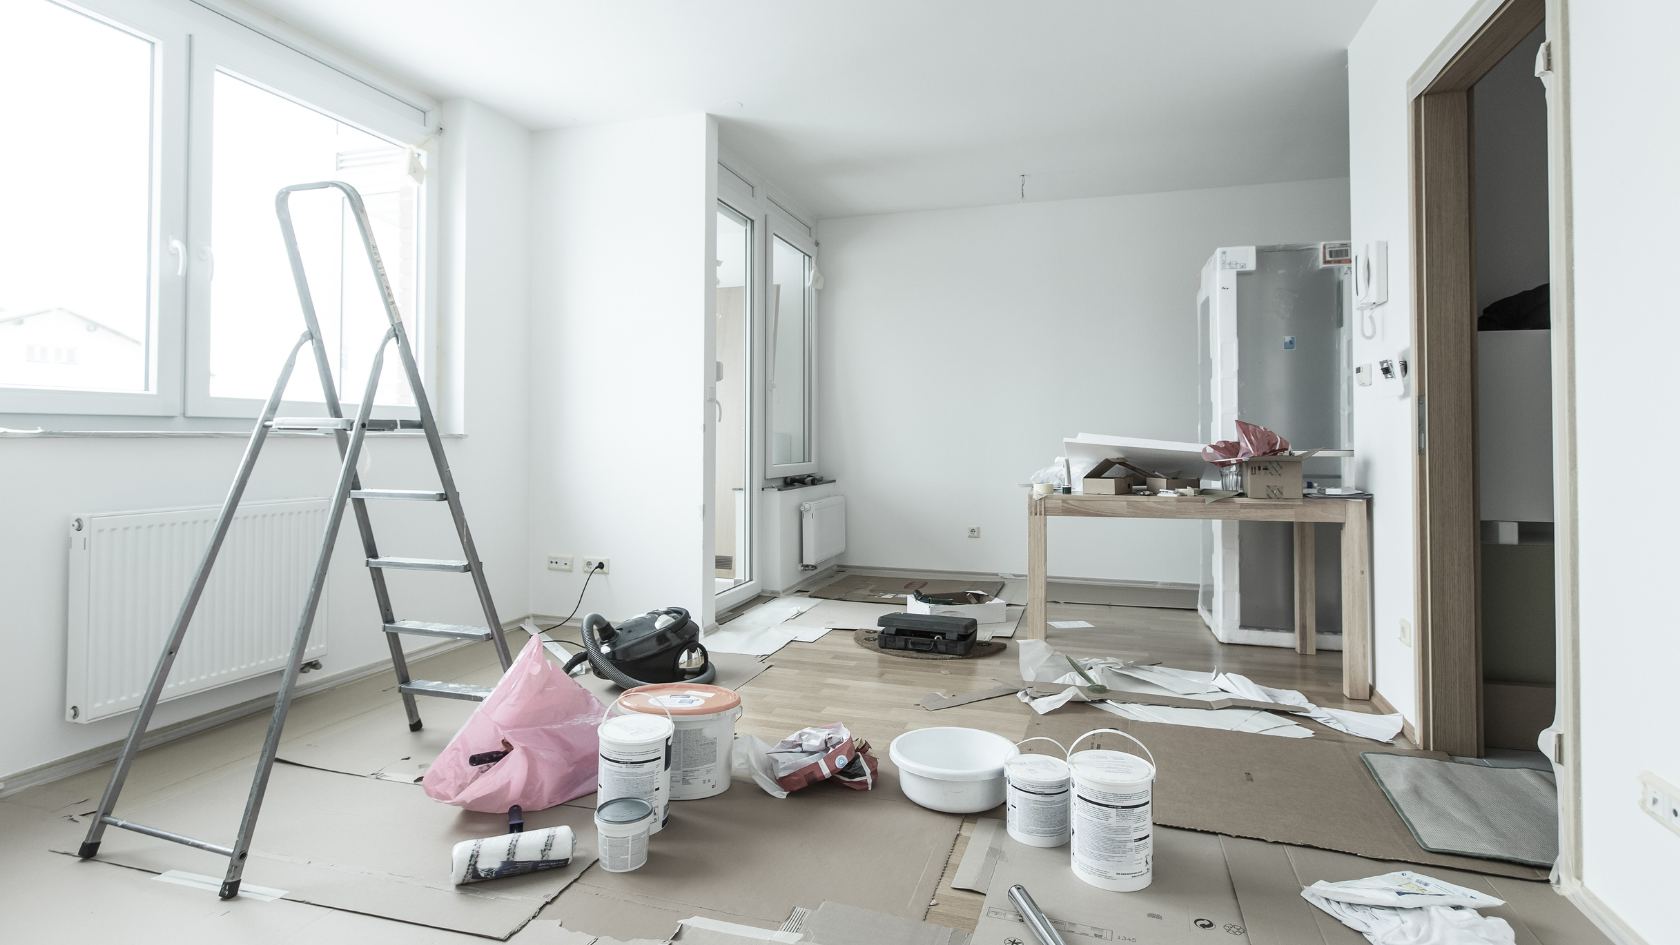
1037	797
622	826
1112	822
636	762
702	747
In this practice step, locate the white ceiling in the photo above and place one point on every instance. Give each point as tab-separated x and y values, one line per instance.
873	106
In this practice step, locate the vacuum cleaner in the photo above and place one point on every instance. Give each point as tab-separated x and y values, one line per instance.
660	646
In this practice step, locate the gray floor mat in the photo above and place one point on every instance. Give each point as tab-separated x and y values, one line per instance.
1471	810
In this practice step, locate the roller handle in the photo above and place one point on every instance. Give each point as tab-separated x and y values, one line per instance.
1034	916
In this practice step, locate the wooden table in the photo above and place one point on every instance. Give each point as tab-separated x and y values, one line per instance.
1351	514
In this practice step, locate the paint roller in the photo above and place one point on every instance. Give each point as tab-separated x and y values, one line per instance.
512	853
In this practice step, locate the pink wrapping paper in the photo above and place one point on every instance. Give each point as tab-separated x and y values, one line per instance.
1252	441
552	724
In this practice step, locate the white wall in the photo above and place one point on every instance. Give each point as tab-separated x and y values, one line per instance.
1626	194
1393	44
622	303
482	312
960	346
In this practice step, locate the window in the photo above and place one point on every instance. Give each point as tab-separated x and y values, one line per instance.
791	341
145	274
76	307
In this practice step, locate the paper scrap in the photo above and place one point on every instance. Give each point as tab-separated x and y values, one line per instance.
730	928
210	884
935	701
1381	728
1068	624
978	862
1255	721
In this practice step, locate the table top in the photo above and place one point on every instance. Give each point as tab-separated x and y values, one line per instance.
1327	509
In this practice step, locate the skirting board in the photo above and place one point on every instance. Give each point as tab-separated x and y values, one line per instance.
94	757
1600	915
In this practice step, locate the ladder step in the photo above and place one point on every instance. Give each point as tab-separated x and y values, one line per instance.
312	423
177	838
418	495
418	564
445	690
451	630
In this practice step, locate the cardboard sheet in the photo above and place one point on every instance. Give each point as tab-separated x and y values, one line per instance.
876	588
838	924
841	615
357	844
747	855
1189	902
1310	791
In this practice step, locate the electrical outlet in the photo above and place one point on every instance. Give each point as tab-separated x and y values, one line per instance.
590	565
559	562
1660	799
974	531
1405	631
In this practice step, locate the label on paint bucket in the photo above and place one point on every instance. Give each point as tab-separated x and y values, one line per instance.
679	700
1037	800
1112	819
636	760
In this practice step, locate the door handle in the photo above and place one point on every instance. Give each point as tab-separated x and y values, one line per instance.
180	251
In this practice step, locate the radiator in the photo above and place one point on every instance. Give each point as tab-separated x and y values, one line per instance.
129	572
822	527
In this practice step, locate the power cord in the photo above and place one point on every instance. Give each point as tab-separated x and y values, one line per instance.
587	578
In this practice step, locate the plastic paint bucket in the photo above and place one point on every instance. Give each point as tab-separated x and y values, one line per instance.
622	826
636	762
701	749
1037	795
1112	821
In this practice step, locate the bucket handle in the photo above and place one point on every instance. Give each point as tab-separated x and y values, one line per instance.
1045	738
1116	732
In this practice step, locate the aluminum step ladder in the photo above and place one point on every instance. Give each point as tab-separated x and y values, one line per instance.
348	433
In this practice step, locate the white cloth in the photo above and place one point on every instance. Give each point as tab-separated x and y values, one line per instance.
1407	908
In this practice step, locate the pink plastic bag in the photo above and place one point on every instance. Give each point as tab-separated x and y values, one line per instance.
551	723
1252	441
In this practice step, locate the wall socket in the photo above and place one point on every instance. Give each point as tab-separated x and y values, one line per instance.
559	562
1660	799
590	563
1405	631
974	531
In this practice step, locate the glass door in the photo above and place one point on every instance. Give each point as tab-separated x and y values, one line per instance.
733	457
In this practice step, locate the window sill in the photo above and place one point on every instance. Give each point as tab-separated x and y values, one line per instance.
8	434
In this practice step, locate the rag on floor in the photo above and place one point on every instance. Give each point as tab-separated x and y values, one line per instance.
1407	908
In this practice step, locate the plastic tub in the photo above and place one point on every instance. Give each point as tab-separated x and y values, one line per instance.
956	770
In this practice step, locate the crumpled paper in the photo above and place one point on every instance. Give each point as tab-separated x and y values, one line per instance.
1251	441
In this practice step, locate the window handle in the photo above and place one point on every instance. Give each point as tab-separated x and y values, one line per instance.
180	251
719	403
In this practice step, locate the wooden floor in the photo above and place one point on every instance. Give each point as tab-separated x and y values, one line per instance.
834	679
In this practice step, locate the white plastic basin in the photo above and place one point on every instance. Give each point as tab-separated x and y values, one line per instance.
956	770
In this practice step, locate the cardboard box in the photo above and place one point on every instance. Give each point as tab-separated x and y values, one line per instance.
992	611
1157	484
1272	477
1098	482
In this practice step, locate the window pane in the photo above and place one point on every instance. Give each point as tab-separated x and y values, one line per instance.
261	143
75	293
789	411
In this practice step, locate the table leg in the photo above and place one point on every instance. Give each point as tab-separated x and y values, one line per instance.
1356	606
1038	591
1306	589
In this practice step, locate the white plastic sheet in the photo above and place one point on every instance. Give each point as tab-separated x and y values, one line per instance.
1407	908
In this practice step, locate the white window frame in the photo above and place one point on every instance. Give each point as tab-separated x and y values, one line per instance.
192	40
783	225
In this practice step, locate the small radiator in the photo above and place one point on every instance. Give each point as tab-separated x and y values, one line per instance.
822	528
129	572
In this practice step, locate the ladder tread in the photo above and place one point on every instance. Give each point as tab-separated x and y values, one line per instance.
444	690
418	495
312	423
424	628
419	564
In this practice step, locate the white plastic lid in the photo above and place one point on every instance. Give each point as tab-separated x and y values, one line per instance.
636	729
624	810
1038	769
1111	766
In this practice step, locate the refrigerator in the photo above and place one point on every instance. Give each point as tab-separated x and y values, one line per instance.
1275	349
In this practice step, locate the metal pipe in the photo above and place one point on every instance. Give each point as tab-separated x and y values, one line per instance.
166	835
1034	917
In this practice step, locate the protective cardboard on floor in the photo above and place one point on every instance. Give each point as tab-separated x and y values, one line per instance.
746	854
358	844
842	615
1309	791
875	588
1268	878
1189	902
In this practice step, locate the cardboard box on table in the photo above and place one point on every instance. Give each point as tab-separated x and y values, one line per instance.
1098	482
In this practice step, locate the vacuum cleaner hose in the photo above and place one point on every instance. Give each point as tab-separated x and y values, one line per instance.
592	652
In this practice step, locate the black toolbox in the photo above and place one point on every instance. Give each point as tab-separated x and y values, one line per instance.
928	633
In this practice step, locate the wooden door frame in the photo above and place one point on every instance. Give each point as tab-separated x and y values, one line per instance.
1448	646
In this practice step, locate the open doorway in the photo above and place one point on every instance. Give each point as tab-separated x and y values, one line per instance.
1483	372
